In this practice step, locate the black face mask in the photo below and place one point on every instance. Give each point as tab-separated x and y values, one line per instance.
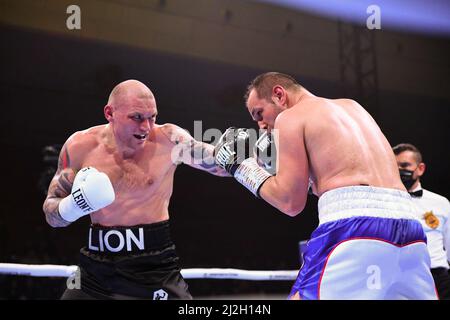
407	178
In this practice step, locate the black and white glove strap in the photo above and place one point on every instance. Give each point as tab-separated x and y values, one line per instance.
251	175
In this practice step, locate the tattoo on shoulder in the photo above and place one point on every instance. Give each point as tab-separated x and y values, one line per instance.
64	159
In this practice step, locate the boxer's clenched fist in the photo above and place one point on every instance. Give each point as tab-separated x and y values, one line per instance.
91	191
232	154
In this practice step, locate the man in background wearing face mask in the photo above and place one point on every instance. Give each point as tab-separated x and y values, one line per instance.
434	214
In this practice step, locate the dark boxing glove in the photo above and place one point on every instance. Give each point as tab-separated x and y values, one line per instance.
232	153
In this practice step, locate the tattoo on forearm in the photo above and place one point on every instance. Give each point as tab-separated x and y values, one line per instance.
56	220
202	155
59	188
52	213
64	186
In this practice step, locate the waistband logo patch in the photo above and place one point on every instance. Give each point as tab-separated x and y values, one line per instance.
115	241
431	220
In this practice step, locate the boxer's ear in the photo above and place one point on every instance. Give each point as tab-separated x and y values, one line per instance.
108	112
278	95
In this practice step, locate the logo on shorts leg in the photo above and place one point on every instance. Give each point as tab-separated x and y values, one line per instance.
160	295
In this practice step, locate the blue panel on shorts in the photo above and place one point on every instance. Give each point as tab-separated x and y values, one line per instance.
396	231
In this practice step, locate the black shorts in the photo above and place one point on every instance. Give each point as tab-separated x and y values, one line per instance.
136	262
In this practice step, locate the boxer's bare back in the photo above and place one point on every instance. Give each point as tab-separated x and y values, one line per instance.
334	142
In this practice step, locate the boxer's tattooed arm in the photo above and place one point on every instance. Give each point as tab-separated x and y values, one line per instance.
203	153
197	154
57	191
59	188
64	159
64	184
55	220
200	155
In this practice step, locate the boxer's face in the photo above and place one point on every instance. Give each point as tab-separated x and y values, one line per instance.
133	121
262	111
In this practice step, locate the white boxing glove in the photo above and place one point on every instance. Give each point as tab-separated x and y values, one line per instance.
91	191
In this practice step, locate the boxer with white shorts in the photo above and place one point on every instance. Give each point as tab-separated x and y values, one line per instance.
368	244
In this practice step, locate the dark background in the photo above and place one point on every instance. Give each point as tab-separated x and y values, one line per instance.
52	85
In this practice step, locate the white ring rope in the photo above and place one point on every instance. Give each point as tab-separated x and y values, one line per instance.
239	274
51	270
42	270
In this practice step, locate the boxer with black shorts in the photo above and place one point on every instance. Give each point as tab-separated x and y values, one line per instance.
121	174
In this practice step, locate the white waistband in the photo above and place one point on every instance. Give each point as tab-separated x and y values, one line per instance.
365	201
